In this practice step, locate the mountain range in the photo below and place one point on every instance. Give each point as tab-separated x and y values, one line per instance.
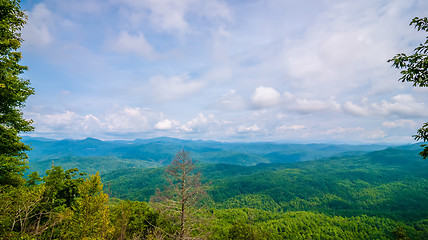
91	155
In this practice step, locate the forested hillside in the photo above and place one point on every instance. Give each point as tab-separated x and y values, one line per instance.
386	183
386	189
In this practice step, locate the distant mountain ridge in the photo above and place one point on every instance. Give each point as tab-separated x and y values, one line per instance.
145	149
90	153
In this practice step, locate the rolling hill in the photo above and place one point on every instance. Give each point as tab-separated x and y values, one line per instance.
91	155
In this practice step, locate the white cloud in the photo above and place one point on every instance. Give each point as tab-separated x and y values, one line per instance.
265	97
403	105
200	123
342	130
130	119
248	129
36	32
306	106
166	124
120	120
230	101
60	119
375	134
399	123
65	122
175	87
131	44
291	128
357	133
342	52
213	9
171	16
356	110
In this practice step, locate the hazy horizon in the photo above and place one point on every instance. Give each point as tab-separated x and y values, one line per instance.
308	142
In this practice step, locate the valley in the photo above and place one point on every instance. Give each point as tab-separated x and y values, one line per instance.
272	183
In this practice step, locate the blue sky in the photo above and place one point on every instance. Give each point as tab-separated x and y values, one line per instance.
271	70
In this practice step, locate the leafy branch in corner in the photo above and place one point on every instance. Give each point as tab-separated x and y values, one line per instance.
415	69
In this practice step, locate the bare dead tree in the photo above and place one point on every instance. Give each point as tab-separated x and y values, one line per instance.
179	201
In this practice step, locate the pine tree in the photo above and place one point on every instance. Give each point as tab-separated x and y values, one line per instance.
13	93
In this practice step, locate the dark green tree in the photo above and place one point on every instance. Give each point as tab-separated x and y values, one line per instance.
13	93
415	69
62	186
400	234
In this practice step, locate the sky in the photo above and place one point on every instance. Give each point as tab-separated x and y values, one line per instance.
255	70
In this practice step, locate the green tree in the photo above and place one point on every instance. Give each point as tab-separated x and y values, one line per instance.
400	234
91	215
33	179
62	186
13	93
415	69
133	220
39	210
244	231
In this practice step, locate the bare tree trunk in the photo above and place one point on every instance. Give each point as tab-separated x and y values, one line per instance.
182	195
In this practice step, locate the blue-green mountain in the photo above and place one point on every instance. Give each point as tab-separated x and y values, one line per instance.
91	155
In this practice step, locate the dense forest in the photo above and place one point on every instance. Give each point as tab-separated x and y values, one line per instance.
362	194
386	186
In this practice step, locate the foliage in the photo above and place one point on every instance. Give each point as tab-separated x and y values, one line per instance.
134	184
62	186
36	209
133	220
17	209
90	217
422	134
259	224
415	66
13	93
63	206
415	69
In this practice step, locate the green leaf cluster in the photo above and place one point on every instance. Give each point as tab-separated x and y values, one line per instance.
415	69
